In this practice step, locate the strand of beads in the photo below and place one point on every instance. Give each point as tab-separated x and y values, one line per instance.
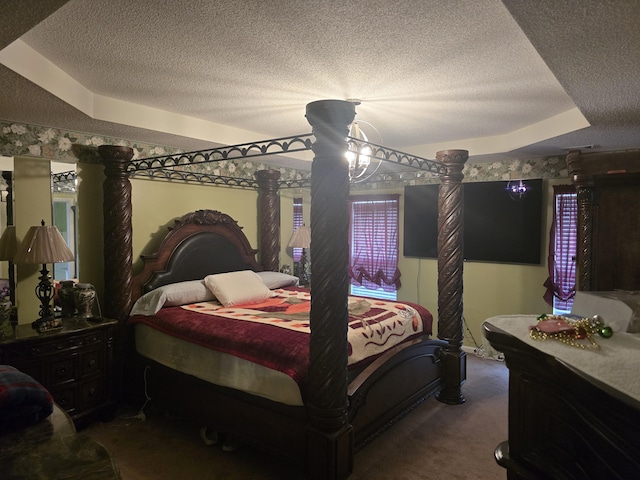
583	329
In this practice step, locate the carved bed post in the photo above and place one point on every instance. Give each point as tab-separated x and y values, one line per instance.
586	207
450	269
269	219
118	247
330	435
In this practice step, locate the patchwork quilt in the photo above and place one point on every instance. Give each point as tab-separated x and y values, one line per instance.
275	332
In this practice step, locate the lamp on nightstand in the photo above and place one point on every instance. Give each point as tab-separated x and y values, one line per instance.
301	238
41	245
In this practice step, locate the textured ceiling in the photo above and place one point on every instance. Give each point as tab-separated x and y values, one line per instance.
508	79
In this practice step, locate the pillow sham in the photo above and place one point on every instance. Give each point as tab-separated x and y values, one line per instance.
275	280
233	288
172	295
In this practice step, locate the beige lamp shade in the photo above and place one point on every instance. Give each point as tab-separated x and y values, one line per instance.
301	237
43	244
8	244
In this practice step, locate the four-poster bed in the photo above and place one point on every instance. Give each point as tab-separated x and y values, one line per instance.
339	413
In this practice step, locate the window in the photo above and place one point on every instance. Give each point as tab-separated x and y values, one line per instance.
561	284
373	246
297	222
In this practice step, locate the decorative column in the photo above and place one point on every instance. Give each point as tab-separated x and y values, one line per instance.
269	219
586	209
118	246
331	436
450	269
584	247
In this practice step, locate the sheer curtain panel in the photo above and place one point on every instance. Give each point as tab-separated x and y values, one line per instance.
373	241
561	283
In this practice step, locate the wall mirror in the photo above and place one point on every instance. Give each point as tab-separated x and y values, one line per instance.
7	269
64	213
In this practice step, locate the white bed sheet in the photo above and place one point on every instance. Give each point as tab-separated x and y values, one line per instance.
216	367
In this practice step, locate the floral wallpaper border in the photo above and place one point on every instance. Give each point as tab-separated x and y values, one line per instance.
59	145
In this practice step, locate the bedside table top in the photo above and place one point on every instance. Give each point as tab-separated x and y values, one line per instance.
69	325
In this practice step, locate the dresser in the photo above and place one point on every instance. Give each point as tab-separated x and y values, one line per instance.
573	413
77	363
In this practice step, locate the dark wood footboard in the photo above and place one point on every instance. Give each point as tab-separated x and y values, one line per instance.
380	395
391	386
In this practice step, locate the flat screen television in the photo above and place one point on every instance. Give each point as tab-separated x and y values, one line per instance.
497	228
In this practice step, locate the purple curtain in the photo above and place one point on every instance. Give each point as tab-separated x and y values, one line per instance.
561	282
373	241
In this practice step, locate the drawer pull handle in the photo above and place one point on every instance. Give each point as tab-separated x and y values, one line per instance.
61	371
92	392
91	363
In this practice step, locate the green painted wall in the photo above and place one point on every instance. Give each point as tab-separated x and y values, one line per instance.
32	193
489	289
157	204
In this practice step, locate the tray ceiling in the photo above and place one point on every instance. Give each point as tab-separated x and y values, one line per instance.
503	80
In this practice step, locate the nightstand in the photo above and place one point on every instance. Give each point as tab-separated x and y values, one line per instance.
76	363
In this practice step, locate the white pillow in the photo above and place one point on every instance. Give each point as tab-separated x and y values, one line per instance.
278	280
234	288
181	293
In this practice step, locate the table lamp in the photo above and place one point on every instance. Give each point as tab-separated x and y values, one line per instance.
301	238
41	245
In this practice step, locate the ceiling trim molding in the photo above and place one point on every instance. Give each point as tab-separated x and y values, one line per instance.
560	124
27	62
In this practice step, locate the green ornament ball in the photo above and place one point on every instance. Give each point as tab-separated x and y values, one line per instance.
606	332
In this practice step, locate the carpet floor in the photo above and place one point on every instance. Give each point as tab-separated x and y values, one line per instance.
434	441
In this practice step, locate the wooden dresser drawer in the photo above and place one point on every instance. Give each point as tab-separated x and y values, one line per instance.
60	370
91	394
66	397
75	363
91	362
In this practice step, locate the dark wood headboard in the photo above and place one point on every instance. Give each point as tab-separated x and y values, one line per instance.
200	243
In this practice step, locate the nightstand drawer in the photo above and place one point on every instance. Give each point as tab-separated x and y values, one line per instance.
66	398
61	370
35	369
76	363
91	363
91	394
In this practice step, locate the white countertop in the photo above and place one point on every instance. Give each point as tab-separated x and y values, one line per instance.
616	363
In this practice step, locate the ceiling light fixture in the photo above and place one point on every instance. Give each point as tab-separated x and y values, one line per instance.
361	154
517	189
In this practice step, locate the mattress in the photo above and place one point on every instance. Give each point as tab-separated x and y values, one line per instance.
216	367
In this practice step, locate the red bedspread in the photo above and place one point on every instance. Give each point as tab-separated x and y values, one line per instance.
275	333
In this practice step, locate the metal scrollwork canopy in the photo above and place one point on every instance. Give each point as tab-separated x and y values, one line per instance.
178	166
